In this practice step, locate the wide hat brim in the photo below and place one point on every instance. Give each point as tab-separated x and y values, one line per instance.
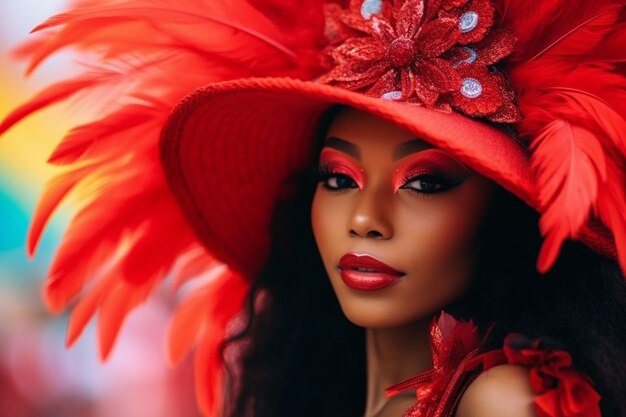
228	149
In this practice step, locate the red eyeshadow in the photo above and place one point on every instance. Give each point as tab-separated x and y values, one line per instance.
338	163
427	161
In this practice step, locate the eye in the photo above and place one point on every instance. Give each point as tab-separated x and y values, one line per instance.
335	181
429	183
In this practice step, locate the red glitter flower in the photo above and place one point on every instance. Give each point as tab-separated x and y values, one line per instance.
436	53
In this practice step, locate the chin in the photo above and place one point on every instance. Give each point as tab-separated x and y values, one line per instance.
378	313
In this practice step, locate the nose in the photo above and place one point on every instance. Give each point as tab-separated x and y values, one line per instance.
371	215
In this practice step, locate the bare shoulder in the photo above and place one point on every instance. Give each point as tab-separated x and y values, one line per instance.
503	390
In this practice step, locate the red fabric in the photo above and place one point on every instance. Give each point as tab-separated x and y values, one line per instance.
560	390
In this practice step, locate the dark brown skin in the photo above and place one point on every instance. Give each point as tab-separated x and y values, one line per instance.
429	237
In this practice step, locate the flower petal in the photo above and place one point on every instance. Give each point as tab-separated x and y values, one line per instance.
437	37
407	83
408	16
508	112
495	46
438	75
358	49
432	7
479	13
389	81
487	99
358	74
453	4
426	95
356	21
383	30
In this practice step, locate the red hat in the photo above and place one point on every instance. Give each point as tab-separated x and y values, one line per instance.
261	74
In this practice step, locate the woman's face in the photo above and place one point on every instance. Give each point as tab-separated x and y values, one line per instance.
396	221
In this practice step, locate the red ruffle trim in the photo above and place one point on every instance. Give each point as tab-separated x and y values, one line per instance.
560	390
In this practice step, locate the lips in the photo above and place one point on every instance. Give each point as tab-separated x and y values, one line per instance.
364	272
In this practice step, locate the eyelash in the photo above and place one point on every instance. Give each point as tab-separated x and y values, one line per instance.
325	173
434	176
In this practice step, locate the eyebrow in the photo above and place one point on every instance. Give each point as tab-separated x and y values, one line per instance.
343	146
402	150
407	148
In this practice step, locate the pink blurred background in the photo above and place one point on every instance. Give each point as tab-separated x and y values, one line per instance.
38	375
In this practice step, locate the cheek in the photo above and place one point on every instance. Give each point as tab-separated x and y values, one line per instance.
444	242
445	232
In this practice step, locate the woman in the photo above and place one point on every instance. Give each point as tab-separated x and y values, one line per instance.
451	225
478	92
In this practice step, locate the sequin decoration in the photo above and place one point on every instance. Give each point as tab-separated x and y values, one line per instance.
472	88
468	21
469	57
370	7
437	54
392	95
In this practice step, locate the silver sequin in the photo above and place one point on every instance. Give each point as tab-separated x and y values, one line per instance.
472	88
392	95
468	22
370	7
469	60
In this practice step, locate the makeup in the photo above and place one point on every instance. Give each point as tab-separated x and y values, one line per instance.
366	273
433	165
335	162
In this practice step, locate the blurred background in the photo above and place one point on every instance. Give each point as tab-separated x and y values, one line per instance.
38	375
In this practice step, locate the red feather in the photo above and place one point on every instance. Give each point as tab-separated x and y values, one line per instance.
584	34
568	162
611	205
203	320
48	97
596	112
193	264
56	191
566	68
116	127
612	47
555	28
247	34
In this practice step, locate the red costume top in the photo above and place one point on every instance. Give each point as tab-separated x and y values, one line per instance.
560	390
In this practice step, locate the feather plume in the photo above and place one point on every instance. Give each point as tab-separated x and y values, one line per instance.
120	126
611	205
555	28
111	257
56	191
575	128
569	163
203	319
51	95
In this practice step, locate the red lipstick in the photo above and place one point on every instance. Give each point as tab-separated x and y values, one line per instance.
364	272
